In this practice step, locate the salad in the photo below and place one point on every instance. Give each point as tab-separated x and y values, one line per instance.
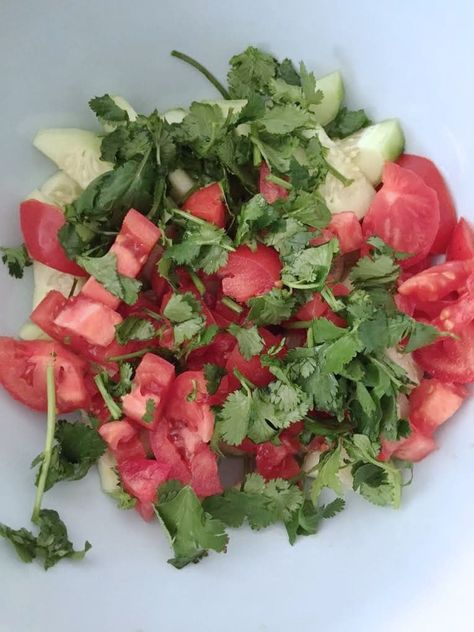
265	280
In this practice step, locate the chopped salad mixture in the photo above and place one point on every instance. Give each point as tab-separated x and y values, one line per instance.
265	280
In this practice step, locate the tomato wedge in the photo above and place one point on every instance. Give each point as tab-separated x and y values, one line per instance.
23	374
252	369
404	213
346	227
461	244
40	223
141	479
432	177
433	402
207	204
92	320
270	191
249	273
123	439
438	281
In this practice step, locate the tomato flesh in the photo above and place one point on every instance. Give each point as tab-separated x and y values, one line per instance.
270	191
461	244
40	223
346	227
404	213
438	281
123	440
92	320
207	204
252	369
433	402
141	479
432	177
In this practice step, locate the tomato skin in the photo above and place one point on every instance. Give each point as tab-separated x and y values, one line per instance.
152	381
123	440
166	451
270	191
252	369
204	473
314	308
208	204
346	227
461	244
448	359
96	292
92	320
432	177
433	402
141	479
404	213
40	223
23	374
250	273
276	462
215	353
438	281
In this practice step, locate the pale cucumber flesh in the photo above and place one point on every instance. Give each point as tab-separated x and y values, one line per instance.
332	88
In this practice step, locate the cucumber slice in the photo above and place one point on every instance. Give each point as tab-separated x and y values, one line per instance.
355	197
75	151
125	105
181	183
332	87
109	480
30	331
371	147
174	116
60	190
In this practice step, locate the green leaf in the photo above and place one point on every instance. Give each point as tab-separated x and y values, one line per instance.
347	122
17	259
324	330
309	268
249	340
254	216
327	471
184	312
213	374
251	71
106	109
337	354
370	272
192	531
306	520
235	417
134	328
308	84
421	335
285	119
104	269
123	500
149	414
271	308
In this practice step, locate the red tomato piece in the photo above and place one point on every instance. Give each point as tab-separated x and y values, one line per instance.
431	176
23	374
204	473
123	440
448	359
413	448
250	273
346	227
187	408
461	244
434	402
252	369
141	479
314	308
96	292
215	353
276	461
208	204
92	320
166	451
270	191
438	281
404	213
40	223
456	315
152	381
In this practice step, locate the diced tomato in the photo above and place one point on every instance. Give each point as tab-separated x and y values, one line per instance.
224	316
141	479
92	320
204	473
450	359
461	244
96	292
40	223
208	204
404	213
456	315
123	439
152	382
438	281
434	402
314	308
215	353
250	273
413	448
346	227
23	374
166	451
431	176
187	407
276	461
252	369
335	318
323	235
270	191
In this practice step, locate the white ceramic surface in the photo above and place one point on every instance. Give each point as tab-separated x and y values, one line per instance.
369	569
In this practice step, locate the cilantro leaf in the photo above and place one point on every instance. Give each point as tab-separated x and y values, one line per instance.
192	531
149	414
312	96
17	259
235	417
285	119
372	271
134	328
184	312
248	338
306	520
213	374
106	109
254	216
251	71
123	499
327	470
347	122
309	268
51	545
104	269
271	308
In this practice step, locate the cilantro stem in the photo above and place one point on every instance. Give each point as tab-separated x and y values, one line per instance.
73	288
113	407
48	446
129	356
345	181
199	285
280	181
299	324
200	68
257	156
235	307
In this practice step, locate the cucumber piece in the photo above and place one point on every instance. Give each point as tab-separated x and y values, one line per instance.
332	88
174	116
75	151
60	190
181	184
355	197
370	147
125	105
109	480
30	331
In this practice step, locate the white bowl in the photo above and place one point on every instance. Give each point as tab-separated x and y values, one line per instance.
368	569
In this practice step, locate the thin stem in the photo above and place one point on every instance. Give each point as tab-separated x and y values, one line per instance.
337	174
48	446
235	307
129	356
199	285
298	324
113	407
280	181
257	156
204	71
